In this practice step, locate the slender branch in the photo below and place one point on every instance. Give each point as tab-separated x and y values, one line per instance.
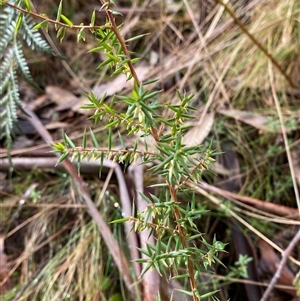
199	165
184	243
114	28
106	150
155	135
154	226
44	18
270	208
283	261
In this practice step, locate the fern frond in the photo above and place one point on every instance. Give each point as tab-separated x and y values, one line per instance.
6	37
8	115
22	63
32	37
8	59
3	86
3	101
14	61
10	102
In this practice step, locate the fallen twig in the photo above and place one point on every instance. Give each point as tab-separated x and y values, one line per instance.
264	206
283	261
23	163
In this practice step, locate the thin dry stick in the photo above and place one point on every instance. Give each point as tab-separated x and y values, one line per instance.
24	163
262	205
283	261
44	18
127	211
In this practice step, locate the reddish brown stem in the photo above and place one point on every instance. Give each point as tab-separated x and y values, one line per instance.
182	235
44	18
155	135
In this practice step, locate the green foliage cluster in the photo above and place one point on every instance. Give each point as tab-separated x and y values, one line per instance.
178	164
177	236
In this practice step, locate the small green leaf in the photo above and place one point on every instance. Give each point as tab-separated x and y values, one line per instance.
109	109
58	146
96	49
19	22
104	5
81	34
118	71
135	60
144	197
209	294
194	237
120	221
185	292
62	158
109	138
101	164
106	62
181	276
68	141
59	11
27	4
112	57
150	81
145	269
122	141
66	20
114	12
93	18
112	124
41	25
78	163
137	37
61	33
96	144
